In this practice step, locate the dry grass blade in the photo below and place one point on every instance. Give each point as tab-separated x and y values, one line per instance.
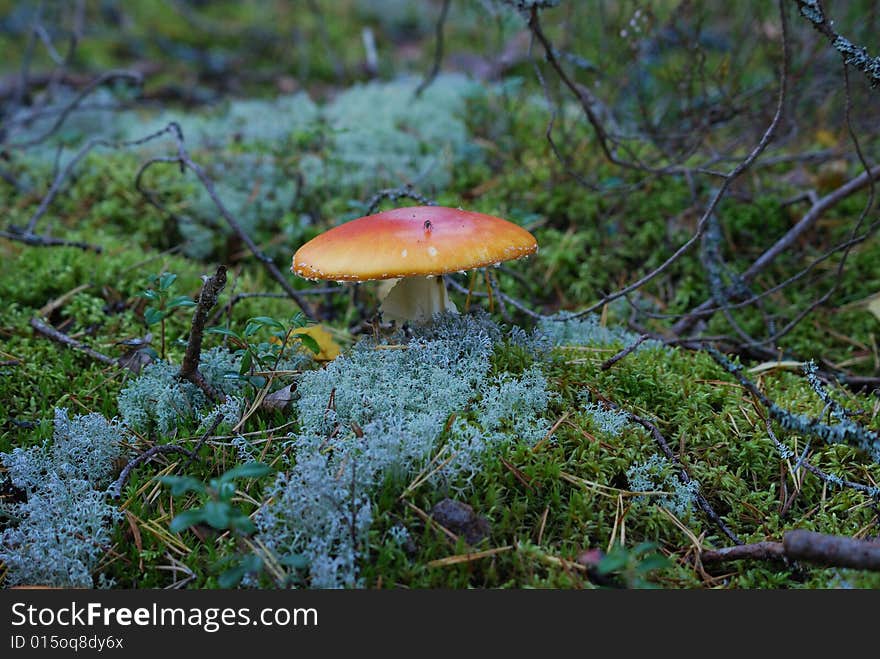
468	557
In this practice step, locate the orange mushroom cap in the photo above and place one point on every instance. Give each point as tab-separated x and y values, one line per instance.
411	242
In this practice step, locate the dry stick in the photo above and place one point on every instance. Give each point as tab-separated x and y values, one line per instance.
625	352
438	51
683	475
708	308
115	489
727	178
869	204
35	240
185	162
27	234
800	545
62	338
394	194
189	367
132	76
843	430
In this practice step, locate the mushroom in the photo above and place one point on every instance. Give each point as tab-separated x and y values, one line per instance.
412	248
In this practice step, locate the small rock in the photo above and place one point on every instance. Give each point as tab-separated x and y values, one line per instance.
461	519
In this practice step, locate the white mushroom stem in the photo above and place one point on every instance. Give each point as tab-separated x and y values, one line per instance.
416	300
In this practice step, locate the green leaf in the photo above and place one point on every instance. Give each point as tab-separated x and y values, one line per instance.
266	321
153	316
247	470
612	562
180	301
216	514
166	279
653	562
231	577
296	561
225	490
149	294
308	342
240	522
186	519
246	361
225	331
183	484
643	548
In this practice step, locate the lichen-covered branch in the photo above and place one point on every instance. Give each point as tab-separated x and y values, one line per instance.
853	55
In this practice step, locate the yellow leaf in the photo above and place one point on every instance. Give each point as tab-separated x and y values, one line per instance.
329	348
826	138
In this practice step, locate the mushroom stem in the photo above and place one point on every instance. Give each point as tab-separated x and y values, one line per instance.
416	300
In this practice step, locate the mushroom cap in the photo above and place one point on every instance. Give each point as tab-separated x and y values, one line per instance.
411	242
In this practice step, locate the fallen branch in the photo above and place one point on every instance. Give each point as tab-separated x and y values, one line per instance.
708	308
801	545
625	352
189	367
36	240
62	338
183	160
115	489
683	475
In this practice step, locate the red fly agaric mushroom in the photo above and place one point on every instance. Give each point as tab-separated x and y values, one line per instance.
415	246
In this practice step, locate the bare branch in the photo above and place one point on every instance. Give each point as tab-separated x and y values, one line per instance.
189	367
801	545
438	51
47	330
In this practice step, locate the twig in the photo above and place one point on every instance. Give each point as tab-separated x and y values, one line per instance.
394	194
204	438
189	367
183	160
801	545
719	193
106	77
62	338
438	50
115	489
844	430
36	240
625	352
856	56
707	308
683	476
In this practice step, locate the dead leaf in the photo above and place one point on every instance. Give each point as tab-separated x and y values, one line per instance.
278	400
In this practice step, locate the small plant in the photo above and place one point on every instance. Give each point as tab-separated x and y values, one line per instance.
633	566
218	510
162	304
263	356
